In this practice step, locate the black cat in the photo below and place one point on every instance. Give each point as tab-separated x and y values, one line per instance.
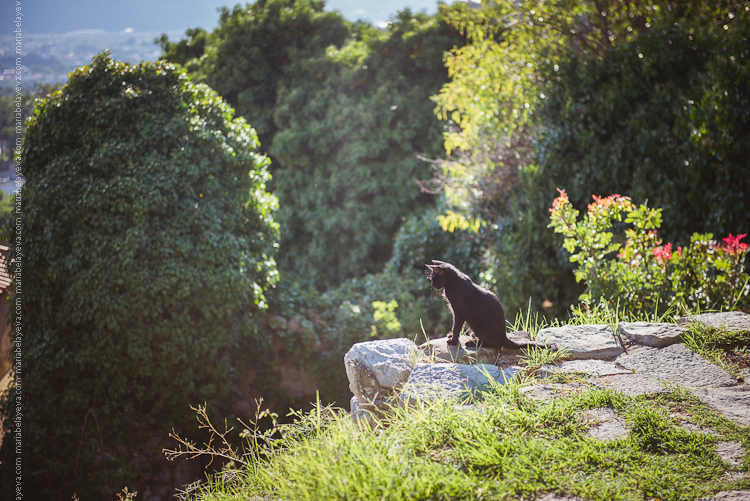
474	305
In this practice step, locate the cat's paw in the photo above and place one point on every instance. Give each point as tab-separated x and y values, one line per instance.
473	342
452	341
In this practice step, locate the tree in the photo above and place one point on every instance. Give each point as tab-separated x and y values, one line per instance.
648	99
344	111
352	124
147	241
245	58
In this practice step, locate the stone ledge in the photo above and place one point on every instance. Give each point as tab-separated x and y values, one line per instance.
583	341
655	335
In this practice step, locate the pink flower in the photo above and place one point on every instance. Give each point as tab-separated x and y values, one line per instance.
559	201
733	245
663	253
606	202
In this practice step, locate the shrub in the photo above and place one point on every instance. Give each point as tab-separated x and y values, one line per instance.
648	275
147	246
352	124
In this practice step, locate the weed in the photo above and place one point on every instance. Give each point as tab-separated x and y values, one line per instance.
530	322
496	444
536	356
710	343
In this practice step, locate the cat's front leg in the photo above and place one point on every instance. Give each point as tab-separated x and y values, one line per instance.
458	323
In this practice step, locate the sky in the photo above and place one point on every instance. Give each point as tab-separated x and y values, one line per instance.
63	16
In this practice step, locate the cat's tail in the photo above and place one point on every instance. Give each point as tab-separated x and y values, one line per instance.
509	343
512	345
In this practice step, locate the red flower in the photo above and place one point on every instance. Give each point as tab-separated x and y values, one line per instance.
733	245
663	253
559	201
606	202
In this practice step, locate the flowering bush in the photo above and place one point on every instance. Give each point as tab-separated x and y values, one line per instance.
638	270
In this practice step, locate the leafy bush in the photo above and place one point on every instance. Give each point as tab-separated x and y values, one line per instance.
344	110
246	57
649	275
649	99
352	123
147	244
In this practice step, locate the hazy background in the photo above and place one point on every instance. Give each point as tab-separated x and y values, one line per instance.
52	16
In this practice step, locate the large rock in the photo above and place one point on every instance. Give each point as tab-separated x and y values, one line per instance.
547	392
587	368
583	341
732	402
678	364
730	320
731	452
656	335
631	384
445	380
438	350
360	415
606	423
730	496
378	369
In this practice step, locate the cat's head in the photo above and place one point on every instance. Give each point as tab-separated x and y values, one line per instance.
438	274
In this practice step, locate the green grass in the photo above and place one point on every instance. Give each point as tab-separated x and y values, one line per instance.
534	357
498	444
710	343
505	446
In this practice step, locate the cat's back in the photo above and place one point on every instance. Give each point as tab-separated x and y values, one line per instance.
470	296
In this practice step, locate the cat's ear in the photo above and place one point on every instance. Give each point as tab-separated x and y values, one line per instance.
436	269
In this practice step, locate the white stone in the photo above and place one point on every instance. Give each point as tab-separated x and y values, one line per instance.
547	392
631	384
730	496
656	335
729	320
446	380
731	452
377	369
732	402
607	424
678	364
593	368
438	350
583	341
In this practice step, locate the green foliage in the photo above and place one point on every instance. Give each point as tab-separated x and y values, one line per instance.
246	58
147	240
351	124
647	275
636	117
344	111
642	98
6	207
385	316
185	50
11	105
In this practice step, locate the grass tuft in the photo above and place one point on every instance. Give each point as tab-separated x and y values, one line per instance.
495	445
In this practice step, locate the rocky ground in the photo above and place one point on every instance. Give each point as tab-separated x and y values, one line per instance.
640	358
